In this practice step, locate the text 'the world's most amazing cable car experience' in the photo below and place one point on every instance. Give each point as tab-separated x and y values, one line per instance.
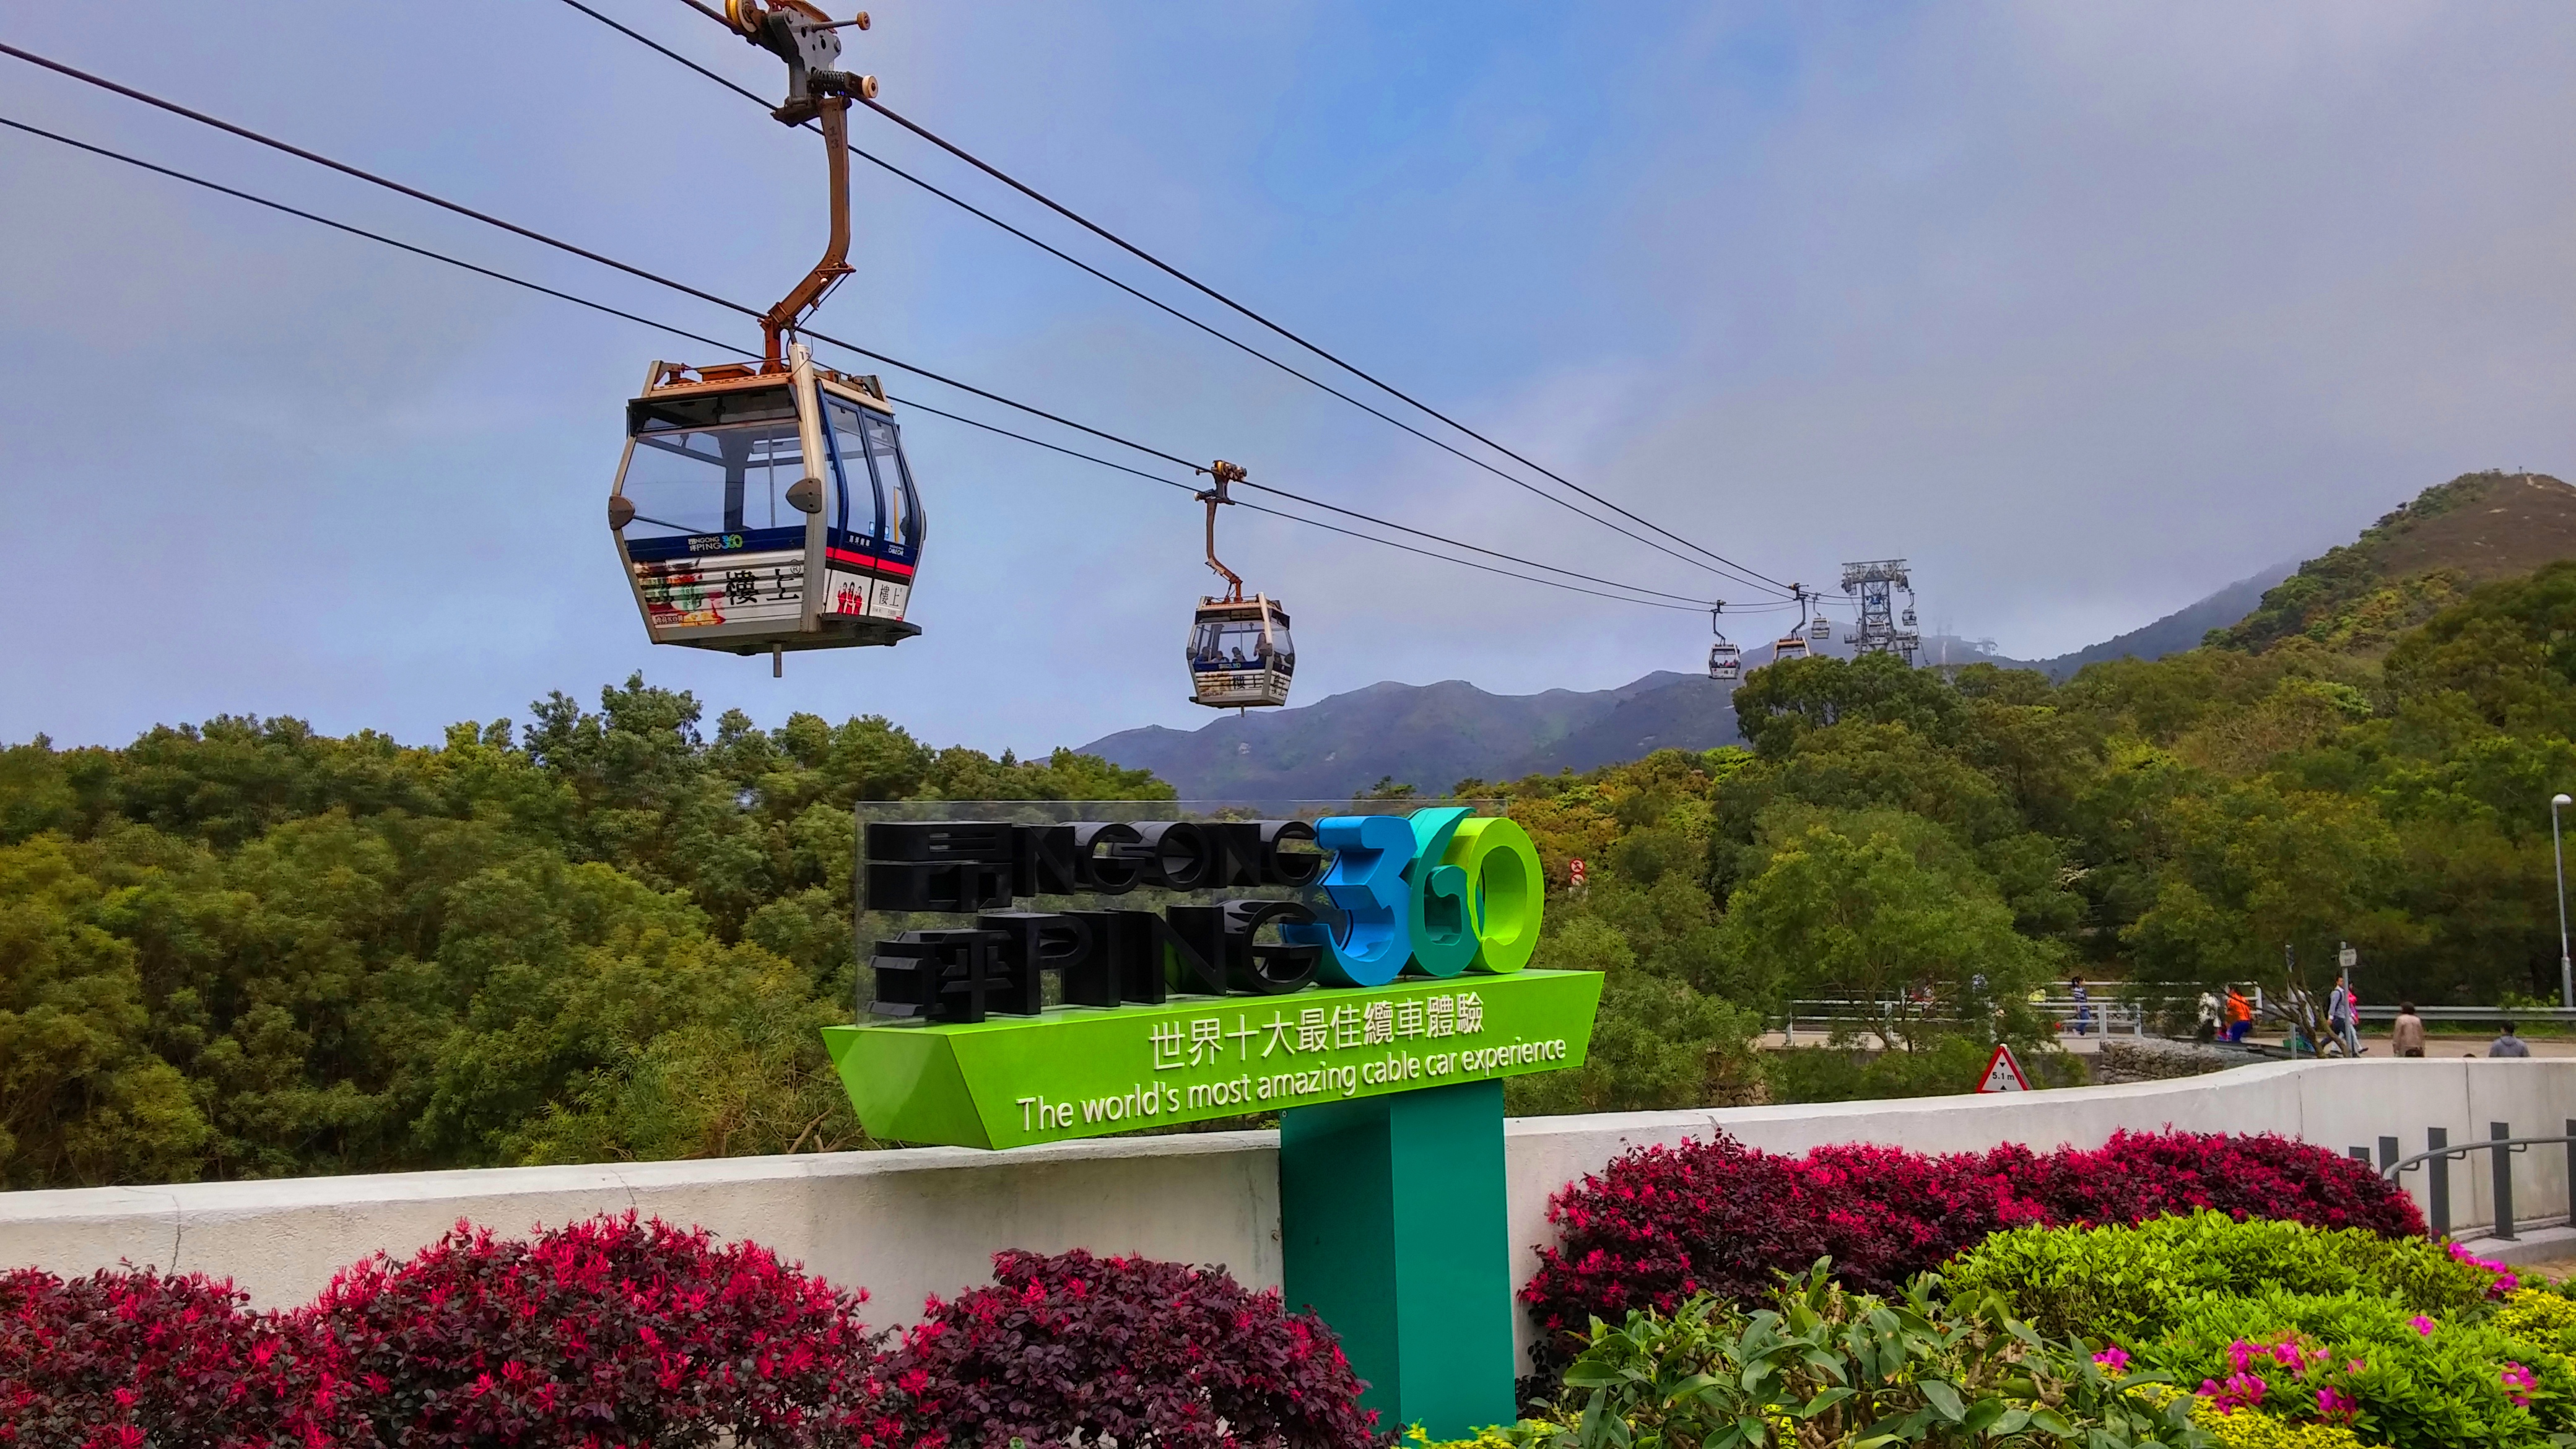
1240	654
767	506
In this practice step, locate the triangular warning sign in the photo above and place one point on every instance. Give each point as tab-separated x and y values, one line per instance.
2003	1073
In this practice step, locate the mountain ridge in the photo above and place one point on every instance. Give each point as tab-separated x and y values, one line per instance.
2426	553
2418	558
1429	736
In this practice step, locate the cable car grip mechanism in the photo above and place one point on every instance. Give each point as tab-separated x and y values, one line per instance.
803	36
1224	473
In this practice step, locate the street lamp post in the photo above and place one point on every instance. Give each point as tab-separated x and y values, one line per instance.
2558	857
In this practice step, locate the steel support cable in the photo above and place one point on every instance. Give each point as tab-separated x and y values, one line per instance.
360	231
1195	284
1155	302
676	331
585	253
1744	572
1692	607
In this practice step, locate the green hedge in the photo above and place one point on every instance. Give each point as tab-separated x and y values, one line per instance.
2403	1342
2126	1282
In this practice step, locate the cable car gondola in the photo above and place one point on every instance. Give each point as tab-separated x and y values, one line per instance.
1240	654
1793	645
1821	630
1725	661
767	506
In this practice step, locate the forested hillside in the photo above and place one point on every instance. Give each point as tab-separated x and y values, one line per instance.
2176	822
245	949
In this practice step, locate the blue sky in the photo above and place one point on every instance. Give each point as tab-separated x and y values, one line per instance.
2087	310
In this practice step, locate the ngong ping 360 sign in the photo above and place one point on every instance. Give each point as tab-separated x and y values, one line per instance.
1189	1014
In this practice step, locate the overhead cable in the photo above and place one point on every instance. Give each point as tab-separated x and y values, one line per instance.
585	253
658	325
1371	378
1195	284
1152	301
1692	607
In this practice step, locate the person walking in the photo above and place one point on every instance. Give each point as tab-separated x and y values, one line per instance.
2343	1016
2407	1037
2083	1006
2240	1015
2507	1044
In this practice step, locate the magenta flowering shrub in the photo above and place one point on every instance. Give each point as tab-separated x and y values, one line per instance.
2141	1175
128	1357
1144	1352
615	1332
1662	1223
606	1332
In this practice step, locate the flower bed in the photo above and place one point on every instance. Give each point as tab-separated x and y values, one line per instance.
617	1332
1818	1364
2192	1332
1145	1353
1659	1225
2405	1343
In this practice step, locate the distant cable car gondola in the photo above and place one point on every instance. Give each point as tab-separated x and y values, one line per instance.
1725	661
1821	630
1240	654
767	506
1793	645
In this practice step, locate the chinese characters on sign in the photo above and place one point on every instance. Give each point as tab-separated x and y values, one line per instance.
1205	1042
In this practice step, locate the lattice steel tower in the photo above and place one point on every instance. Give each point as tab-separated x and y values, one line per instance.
1882	628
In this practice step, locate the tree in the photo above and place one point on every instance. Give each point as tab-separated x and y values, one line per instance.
2251	869
1778	702
248	949
1880	907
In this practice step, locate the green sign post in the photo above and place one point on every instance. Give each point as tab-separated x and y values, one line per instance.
1389	1085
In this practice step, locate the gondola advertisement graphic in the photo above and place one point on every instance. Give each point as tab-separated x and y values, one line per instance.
1196	1012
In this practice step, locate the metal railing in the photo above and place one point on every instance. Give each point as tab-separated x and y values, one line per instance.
2501	1146
2559	1014
2104	1016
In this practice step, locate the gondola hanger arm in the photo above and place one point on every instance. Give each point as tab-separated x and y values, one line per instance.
1224	473
803	36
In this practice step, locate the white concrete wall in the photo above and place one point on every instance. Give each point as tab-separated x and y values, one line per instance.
906	1224
899	1224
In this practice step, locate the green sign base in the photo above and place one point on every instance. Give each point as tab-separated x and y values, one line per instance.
1393	1228
1391	1185
1081	1071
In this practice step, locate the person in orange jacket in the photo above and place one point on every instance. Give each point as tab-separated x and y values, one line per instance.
2240	1015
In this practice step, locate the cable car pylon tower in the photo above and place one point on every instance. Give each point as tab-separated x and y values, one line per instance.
1882	628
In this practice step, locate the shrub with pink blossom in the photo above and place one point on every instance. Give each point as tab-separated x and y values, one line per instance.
1072	1348
605	1332
1662	1223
